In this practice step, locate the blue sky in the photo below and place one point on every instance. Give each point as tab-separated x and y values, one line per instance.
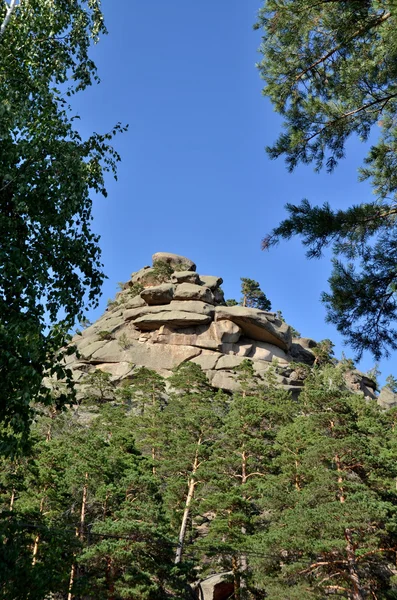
194	177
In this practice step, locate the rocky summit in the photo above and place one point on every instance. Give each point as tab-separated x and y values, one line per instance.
167	314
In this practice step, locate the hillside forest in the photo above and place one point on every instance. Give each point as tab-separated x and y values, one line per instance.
141	491
147	490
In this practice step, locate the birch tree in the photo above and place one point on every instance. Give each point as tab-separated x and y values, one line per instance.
49	255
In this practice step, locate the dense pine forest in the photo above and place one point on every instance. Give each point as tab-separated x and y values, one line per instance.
141	495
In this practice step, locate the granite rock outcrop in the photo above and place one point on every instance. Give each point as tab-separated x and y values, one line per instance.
167	314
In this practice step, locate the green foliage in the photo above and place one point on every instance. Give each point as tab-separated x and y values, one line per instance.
240	462
231	302
292	496
111	303
347	364
330	72
323	353
123	547
124	342
98	387
391	383
253	297
162	271
374	374
104	335
135	290
331	504
50	257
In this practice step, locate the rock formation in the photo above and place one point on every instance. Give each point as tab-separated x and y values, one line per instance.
168	314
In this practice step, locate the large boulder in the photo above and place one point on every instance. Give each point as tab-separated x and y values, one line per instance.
185	277
200	308
387	398
174	260
257	324
358	382
190	291
159	358
158	294
174	318
211	281
301	354
145	276
268	352
215	587
211	337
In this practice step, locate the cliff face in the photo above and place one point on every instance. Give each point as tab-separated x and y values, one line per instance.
168	314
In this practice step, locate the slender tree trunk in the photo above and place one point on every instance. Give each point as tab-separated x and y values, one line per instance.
153	425
186	512
243	557
12	500
354	576
79	534
37	538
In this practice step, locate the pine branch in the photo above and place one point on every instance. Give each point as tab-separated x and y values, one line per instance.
379	21
385	100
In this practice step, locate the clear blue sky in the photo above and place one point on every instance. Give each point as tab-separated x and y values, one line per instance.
194	177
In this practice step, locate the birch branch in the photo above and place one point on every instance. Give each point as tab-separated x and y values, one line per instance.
10	10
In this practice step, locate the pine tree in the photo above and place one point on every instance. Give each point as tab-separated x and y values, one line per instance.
145	394
253	297
330	72
128	549
190	424
242	458
331	500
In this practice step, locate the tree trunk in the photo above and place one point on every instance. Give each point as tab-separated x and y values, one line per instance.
12	500
186	512
243	557
236	579
358	593
109	579
79	534
37	538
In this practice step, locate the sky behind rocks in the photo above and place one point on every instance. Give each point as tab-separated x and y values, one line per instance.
195	179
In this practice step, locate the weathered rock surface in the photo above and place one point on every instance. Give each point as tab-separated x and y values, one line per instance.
215	587
185	277
387	398
359	383
190	291
158	294
211	281
174	260
175	318
257	324
184	318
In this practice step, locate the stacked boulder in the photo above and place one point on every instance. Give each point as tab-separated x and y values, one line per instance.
168	314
